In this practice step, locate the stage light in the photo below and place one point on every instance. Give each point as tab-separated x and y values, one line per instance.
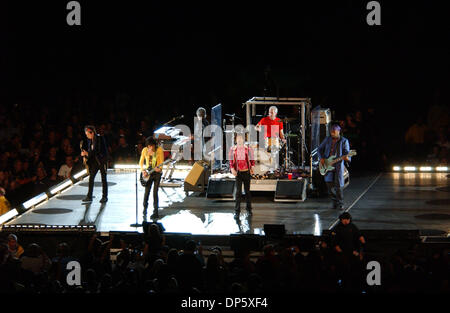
60	187
78	175
56	228
442	168
126	166
8	215
409	168
136	166
183	167
425	168
396	168
33	201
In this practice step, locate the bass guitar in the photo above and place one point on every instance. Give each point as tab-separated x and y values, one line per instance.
327	166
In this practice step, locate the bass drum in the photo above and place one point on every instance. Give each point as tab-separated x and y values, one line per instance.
262	161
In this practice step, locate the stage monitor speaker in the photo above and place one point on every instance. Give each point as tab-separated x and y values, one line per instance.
274	231
194	175
291	190
221	189
196	180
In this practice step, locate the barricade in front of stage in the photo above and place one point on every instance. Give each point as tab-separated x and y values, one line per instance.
382	243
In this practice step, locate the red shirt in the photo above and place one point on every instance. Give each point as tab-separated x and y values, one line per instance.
276	125
240	159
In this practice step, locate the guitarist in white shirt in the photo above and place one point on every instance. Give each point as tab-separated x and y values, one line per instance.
152	156
338	146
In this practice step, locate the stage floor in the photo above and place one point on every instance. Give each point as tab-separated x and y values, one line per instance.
375	200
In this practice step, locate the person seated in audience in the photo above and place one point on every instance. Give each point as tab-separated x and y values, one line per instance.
5	206
66	169
14	248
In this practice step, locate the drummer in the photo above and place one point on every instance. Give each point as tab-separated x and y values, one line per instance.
273	128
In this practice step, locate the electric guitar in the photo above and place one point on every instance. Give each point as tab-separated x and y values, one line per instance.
144	179
328	164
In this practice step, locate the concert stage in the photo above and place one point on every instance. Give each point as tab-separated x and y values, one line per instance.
377	201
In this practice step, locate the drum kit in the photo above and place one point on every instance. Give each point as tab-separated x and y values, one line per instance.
268	155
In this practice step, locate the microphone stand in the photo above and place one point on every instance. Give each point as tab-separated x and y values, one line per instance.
136	188
174	119
167	123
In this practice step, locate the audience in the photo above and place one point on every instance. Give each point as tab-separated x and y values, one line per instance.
39	149
302	267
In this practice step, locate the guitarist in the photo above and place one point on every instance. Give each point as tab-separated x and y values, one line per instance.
151	157
338	146
96	157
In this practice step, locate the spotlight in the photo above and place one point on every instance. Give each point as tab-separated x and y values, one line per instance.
425	168
397	168
78	175
409	168
60	187
33	201
126	166
8	215
442	169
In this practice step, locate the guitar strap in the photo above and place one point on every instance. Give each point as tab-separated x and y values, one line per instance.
340	149
338	143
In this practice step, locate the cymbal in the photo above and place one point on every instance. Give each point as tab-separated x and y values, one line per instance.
233	116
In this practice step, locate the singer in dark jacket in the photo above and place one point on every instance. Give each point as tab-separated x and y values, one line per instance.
96	153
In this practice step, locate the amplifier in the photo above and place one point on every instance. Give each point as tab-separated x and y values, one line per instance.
325	116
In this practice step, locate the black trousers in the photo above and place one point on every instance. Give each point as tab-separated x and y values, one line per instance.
155	179
243	177
336	193
94	167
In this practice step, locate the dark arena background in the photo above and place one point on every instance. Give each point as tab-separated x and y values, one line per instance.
139	70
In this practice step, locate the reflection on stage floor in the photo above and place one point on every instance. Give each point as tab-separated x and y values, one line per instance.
376	201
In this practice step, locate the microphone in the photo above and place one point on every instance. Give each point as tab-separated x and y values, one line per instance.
175	118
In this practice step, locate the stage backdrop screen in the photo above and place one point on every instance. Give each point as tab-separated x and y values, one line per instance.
315	134
216	120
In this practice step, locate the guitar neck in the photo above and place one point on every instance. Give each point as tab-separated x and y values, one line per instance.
158	166
339	159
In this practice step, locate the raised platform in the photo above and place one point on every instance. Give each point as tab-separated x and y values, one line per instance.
377	201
